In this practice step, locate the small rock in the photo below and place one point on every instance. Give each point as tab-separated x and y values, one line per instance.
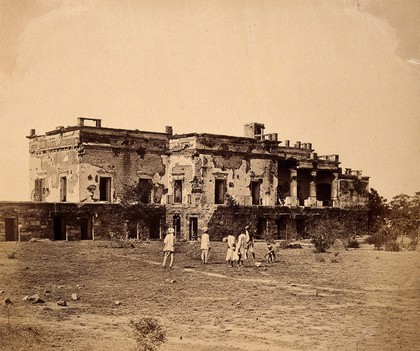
74	297
7	301
60	287
1	291
25	298
170	281
62	303
118	303
78	286
46	291
35	299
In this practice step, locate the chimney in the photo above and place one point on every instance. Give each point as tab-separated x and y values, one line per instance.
287	143
297	144
169	130
32	133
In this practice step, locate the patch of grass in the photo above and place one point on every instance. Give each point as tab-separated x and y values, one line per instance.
19	337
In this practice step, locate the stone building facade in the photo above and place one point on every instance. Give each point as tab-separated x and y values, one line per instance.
190	181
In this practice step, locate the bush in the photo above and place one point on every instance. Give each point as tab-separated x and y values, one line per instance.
11	255
353	244
148	333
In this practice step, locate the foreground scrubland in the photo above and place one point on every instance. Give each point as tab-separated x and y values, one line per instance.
342	300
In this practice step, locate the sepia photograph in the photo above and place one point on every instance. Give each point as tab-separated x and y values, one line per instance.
192	175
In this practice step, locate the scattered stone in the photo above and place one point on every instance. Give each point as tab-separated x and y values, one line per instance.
62	303
46	291
74	297
25	298
35	299
78	286
258	264
237	303
118	303
60	287
7	301
170	281
1	291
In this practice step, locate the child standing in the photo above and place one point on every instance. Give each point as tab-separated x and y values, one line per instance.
231	249
205	245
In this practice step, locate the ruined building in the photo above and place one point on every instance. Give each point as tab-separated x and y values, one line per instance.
79	176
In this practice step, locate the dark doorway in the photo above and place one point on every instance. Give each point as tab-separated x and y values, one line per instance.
154	228
177	225
11	229
219	191
85	228
105	189
281	228
193	233
145	187
301	228
63	189
59	228
323	193
261	228
255	193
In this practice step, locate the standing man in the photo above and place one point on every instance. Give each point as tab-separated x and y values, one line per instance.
241	249
205	245
169	247
249	242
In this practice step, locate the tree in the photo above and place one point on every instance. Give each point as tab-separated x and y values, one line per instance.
377	210
404	214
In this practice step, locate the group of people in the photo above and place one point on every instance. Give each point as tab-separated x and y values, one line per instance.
239	249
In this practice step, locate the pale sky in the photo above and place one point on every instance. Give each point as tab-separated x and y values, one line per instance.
342	74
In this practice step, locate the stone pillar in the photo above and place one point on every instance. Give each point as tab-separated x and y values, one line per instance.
334	189
312	188
293	187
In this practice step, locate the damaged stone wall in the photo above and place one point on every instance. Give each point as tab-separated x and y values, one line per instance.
66	221
53	157
353	192
125	159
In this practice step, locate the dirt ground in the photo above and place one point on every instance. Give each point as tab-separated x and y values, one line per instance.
354	300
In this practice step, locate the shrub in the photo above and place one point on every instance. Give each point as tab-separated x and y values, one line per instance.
11	255
148	333
353	244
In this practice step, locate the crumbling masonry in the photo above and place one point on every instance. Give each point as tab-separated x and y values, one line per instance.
79	175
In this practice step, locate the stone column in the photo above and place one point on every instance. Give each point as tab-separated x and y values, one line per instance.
312	188
334	189
293	187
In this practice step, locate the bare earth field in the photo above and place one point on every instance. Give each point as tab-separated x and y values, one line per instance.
367	300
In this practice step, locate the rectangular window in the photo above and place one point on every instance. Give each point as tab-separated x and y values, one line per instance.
105	189
39	191
145	190
219	191
255	192
63	189
178	191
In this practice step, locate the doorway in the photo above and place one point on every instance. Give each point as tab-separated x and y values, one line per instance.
11	229
59	228
85	228
177	225
193	232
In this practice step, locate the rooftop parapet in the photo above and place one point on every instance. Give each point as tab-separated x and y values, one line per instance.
329	158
